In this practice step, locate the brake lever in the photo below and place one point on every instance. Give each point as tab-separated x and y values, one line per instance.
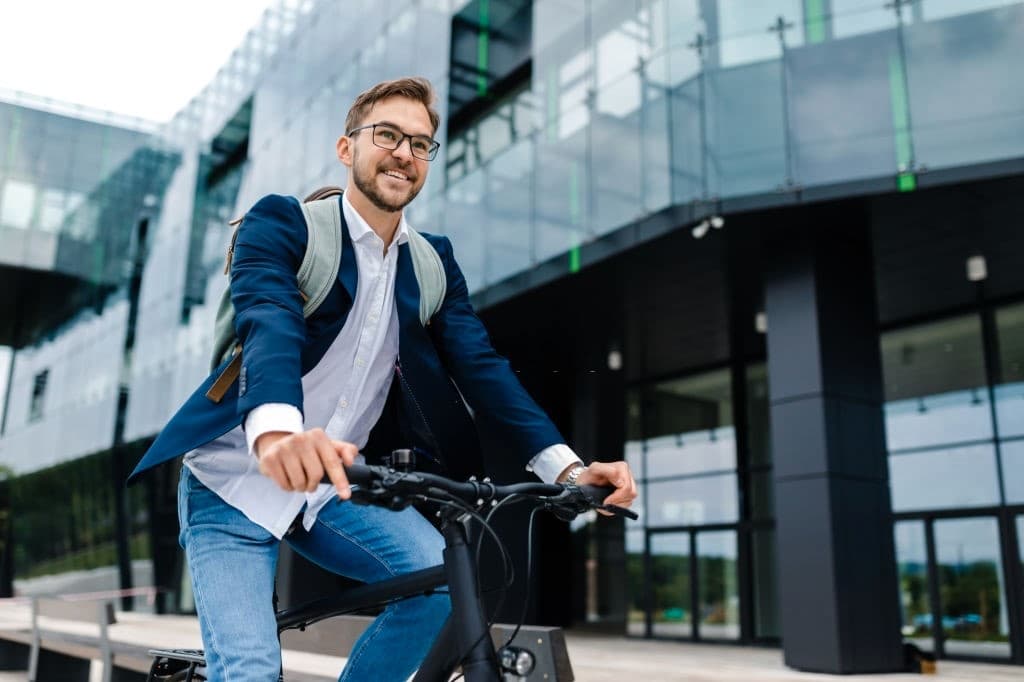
616	510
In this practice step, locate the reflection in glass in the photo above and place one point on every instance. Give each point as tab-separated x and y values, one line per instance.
935	479
979	119
671	614
693	501
689	453
912	566
972	589
1012	454
719	594
766	596
17	203
635	582
1009	392
930	359
954	417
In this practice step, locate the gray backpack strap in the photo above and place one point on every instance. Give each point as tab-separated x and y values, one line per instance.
319	268
316	275
429	274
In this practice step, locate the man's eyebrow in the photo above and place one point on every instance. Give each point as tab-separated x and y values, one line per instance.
395	125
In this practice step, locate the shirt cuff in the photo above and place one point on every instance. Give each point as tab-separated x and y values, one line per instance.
551	461
271	417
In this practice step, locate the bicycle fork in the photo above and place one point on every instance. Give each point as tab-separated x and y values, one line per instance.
465	631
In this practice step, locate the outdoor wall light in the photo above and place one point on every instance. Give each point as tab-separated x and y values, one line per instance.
761	323
977	269
614	359
701	228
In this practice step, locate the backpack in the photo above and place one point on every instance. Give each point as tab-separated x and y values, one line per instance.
316	275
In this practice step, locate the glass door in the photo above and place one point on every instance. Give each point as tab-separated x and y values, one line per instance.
915	587
968	568
717	585
670	613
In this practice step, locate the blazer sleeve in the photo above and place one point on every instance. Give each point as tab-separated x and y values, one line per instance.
485	378
268	306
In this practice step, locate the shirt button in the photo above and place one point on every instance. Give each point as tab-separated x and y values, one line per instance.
359	362
343	403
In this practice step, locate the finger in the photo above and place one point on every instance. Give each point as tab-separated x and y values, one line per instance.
311	465
347	451
271	468
335	471
291	462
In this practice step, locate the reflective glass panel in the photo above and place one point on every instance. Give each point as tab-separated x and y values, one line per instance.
912	566
936	479
1009	392
935	384
17	204
972	587
671	614
635	582
766	597
958	69
688	424
692	501
719	594
1012	453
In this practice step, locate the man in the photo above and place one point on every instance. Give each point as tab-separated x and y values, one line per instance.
310	392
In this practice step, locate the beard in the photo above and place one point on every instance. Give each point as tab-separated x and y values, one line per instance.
365	180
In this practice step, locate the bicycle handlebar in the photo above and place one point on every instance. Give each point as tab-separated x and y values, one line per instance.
387	487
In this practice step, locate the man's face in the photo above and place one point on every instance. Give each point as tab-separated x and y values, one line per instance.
389	178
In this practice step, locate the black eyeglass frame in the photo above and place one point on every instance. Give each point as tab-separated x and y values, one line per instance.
431	153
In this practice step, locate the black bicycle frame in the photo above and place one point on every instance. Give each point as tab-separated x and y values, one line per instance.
464	637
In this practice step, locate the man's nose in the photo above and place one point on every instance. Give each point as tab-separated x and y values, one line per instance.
403	150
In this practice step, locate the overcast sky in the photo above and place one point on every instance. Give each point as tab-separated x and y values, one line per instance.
143	58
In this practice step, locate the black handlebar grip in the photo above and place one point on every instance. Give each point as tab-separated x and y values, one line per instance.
597	493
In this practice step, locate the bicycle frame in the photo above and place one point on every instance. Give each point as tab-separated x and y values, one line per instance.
464	637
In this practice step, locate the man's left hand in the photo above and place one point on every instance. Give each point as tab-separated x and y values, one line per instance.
611	473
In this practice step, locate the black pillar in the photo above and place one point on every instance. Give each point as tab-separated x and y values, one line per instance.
837	577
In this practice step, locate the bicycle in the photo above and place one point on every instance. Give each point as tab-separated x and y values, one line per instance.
463	640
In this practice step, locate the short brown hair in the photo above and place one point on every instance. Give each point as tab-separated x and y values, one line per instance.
414	88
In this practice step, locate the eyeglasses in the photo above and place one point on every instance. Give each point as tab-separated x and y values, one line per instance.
388	136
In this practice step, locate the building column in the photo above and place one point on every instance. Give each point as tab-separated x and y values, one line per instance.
836	564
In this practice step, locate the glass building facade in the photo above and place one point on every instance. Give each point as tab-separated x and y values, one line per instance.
625	175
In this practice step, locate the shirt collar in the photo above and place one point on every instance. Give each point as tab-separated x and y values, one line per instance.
361	231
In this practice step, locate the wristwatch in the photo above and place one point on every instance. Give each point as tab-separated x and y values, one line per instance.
575	474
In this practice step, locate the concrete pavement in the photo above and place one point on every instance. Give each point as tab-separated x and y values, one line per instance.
595	658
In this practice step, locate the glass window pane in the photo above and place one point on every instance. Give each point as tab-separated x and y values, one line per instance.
1013	470
17	204
693	501
635	622
719	594
957	69
935	479
912	565
972	588
1009	392
671	614
744	34
853	17
935	384
766	598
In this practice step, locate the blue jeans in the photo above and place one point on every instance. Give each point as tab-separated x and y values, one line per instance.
233	561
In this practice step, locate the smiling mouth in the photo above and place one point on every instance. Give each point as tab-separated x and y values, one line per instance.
398	175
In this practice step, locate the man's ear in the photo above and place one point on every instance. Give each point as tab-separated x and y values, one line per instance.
344	149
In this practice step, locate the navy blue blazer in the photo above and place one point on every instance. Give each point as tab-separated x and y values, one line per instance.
424	408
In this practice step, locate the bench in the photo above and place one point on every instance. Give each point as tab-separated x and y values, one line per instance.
15	634
68	636
336	636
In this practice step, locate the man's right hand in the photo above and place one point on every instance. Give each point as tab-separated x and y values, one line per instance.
298	461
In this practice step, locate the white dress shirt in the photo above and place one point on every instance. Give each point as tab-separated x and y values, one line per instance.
343	394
